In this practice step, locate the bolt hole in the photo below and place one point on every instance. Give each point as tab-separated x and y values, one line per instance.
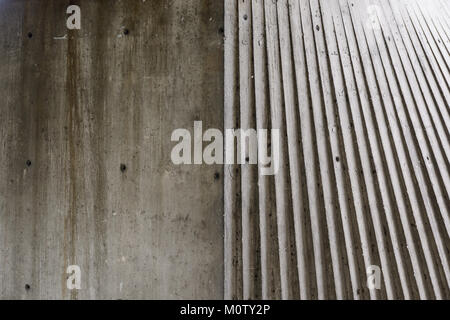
216	176
126	31
337	159
317	28
28	163
27	287
245	17
221	30
30	35
123	167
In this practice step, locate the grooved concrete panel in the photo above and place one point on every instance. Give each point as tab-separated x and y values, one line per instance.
79	103
360	91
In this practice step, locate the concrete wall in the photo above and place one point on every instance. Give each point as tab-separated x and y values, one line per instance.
359	90
77	104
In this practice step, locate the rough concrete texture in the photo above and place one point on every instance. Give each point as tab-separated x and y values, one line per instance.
77	104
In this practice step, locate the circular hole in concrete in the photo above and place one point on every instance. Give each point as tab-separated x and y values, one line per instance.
126	31
123	167
28	163
30	35
27	287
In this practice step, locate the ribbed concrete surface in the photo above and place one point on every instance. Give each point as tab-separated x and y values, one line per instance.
360	92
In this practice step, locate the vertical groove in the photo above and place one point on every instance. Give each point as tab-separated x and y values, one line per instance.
276	103
293	143
360	92
232	232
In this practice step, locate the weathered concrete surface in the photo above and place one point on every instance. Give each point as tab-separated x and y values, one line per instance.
78	108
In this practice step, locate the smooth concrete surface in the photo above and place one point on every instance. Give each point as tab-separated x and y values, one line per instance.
77	104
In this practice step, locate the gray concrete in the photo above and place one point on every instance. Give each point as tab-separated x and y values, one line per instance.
360	92
361	96
78	108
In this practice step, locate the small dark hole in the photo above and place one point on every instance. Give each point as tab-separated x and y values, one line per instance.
27	287
221	30
317	28
216	176
126	31
245	17
123	167
28	163
30	35
247	159
337	159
